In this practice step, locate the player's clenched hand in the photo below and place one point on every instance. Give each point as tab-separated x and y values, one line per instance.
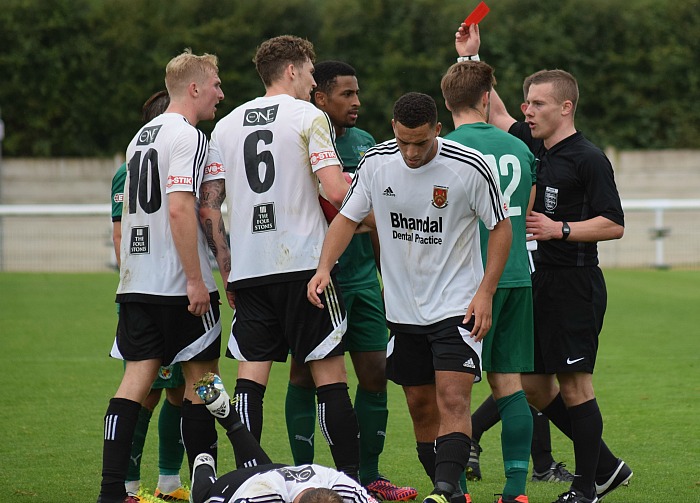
316	286
198	295
480	308
542	227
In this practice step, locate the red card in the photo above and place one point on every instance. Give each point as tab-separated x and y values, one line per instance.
477	14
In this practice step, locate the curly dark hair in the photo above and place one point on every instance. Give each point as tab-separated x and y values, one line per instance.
415	109
326	73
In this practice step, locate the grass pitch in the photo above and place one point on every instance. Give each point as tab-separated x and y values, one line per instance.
56	331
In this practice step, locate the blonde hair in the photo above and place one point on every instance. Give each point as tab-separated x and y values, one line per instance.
187	68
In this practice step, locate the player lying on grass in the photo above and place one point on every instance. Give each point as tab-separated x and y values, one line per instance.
256	478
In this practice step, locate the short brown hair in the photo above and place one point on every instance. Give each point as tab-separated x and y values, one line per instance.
275	54
564	85
465	83
187	68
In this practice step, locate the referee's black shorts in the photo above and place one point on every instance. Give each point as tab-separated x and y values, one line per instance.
569	306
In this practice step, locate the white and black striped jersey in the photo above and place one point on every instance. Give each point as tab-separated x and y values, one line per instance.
427	220
267	151
284	484
166	155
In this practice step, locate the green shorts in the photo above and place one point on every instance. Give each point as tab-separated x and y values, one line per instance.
509	345
169	377
367	329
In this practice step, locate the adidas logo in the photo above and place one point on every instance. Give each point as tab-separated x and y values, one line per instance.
388	192
469	364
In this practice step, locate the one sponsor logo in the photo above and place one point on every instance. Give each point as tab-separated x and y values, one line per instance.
439	197
381	433
388	192
178	180
317	157
119	197
569	361
427	224
140	244
214	168
148	135
551	195
260	116
469	364
264	218
297	474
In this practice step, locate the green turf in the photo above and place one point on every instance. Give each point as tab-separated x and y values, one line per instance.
56	331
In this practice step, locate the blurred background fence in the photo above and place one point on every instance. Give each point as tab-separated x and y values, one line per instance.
55	213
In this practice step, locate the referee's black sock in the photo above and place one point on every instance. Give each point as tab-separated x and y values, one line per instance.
198	429
541	450
119	424
558	414
484	418
248	397
587	428
338	422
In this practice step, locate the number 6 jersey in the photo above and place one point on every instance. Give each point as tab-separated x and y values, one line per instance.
166	155
267	151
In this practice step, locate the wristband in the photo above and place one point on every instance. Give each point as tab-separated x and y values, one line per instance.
474	57
565	231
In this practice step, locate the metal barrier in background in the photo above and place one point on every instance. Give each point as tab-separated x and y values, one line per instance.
659	233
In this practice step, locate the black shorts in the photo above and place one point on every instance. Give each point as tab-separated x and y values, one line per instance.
169	333
413	355
569	305
272	320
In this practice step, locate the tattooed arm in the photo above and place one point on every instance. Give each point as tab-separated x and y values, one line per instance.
212	195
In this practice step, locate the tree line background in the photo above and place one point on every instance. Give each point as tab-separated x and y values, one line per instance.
74	73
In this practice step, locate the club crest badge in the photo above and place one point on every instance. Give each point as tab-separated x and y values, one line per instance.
551	195
439	197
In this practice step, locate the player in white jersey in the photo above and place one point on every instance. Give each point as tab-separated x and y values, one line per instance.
257	478
428	195
268	156
278	484
167	294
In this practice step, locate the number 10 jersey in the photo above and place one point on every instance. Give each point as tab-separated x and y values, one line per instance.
166	155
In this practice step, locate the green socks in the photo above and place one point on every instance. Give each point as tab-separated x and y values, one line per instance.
300	413
516	440
170	447
372	416
134	471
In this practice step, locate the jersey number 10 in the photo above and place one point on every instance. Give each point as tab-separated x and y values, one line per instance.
140	173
